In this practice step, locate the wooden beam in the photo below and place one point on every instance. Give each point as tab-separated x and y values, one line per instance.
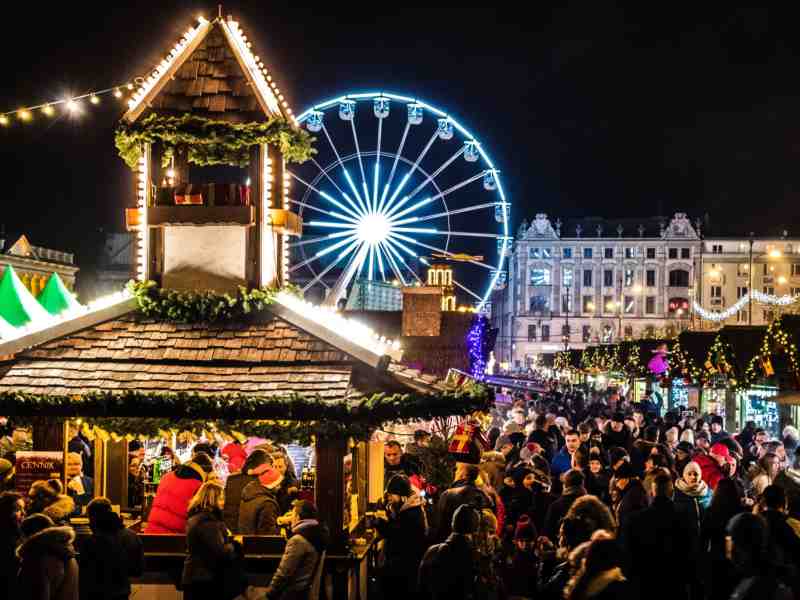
159	216
67	327
329	486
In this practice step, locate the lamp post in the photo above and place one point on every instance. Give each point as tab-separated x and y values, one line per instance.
750	283
566	332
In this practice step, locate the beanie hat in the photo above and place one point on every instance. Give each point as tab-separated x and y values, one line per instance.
465	520
6	470
203	461
720	450
399	484
525	530
618	417
257	458
270	478
717	419
685	447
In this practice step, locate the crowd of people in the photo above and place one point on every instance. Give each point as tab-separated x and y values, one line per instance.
582	494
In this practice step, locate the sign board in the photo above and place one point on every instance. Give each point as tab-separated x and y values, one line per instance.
37	464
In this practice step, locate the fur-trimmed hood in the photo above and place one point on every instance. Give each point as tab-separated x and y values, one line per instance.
56	541
60	509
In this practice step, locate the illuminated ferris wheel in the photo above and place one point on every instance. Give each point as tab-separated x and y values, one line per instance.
396	185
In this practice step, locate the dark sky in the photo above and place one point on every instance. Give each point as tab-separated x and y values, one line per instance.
587	109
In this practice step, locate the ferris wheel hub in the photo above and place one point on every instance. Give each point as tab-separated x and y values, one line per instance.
374	228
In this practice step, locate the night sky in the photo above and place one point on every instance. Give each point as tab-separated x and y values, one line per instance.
587	110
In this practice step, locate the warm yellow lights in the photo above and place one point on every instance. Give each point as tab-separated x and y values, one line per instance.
782	280
3	120
637	289
130	86
117	93
775	253
24	115
94	99
48	110
72	105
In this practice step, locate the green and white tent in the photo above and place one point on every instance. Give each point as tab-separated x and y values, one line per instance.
56	298
18	307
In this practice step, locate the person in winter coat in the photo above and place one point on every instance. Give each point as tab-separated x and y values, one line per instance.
175	491
748	551
597	477
405	533
80	487
236	482
110	556
450	569
463	491
600	577
259	509
660	535
562	462
789	479
210	553
616	434
493	467
12	511
692	495
726	503
288	490
522	565
48	568
48	498
768	468
628	494
572	490
784	545
714	465
309	539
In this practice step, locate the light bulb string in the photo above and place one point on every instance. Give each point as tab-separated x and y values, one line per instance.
64	101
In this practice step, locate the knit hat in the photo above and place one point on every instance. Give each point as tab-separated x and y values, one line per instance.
685	447
525	530
720	450
618	417
399	484
465	520
6	470
270	478
717	419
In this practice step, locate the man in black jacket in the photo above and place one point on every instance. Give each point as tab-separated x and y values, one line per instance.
450	569
657	536
463	491
110	556
236	483
784	544
573	489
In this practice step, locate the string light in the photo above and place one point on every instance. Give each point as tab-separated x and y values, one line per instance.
757	296
48	110
3	120
94	99
117	93
25	113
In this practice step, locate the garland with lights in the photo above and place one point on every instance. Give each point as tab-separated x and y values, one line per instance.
71	105
476	345
281	419
755	296
719	362
684	367
210	142
777	341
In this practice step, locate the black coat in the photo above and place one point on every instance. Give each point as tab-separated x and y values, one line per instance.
234	487
10	537
449	570
259	511
208	548
556	512
655	537
460	493
634	499
406	541
108	559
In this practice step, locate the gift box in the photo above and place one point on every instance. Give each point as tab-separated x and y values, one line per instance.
468	443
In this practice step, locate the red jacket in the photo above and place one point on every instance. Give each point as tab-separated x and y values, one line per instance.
168	514
710	471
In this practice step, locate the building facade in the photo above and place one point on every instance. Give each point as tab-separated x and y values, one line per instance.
35	264
725	264
574	283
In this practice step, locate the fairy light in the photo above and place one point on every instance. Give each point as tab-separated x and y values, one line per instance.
755	296
143	233
94	99
267	249
48	110
285	238
3	120
24	114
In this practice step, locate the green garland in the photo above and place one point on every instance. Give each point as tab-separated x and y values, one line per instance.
282	419
199	307
208	142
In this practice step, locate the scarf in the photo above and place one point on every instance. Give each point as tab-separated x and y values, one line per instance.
698	489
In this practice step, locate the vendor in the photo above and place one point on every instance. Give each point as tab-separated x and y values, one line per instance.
80	487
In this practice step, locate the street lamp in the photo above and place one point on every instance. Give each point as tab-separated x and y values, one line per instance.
750	283
566	332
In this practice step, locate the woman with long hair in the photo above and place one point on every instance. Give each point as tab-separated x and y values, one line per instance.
718	573
206	569
600	575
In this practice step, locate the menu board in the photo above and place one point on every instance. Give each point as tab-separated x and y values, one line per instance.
37	464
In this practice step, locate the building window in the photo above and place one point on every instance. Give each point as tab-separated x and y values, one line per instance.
795	269
716	291
673	253
545	333
679	278
630	252
742	269
650	331
686	252
794	291
588	304
768	289
650	305
608	304
628	331
608	334
740	291
651	253
767	269
540	276
547	253
531	333
716	249
566	303
534	253
608	277
630	305
587	253
566	252
587	278
565	331
566	276
768	316
608	253
540	304
628	277
650	278
586	333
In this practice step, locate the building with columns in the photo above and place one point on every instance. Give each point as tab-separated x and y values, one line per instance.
576	282
35	264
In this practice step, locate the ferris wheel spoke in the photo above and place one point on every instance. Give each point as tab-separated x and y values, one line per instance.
392	263
336	185
458	186
399	257
445	213
325	212
371	262
360	164
332	225
395	243
322	253
466	289
364	207
437	249
328	269
394	165
330	198
377	165
429	178
432	231
413	168
321	238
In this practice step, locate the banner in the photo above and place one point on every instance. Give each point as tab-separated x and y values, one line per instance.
37	464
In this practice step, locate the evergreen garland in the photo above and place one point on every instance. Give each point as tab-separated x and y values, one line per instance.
209	142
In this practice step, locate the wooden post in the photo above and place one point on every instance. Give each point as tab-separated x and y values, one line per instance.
48	434
329	488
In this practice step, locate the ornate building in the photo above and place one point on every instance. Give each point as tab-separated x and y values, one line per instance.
582	281
35	264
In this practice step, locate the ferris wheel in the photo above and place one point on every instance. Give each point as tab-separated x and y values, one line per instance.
396	185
